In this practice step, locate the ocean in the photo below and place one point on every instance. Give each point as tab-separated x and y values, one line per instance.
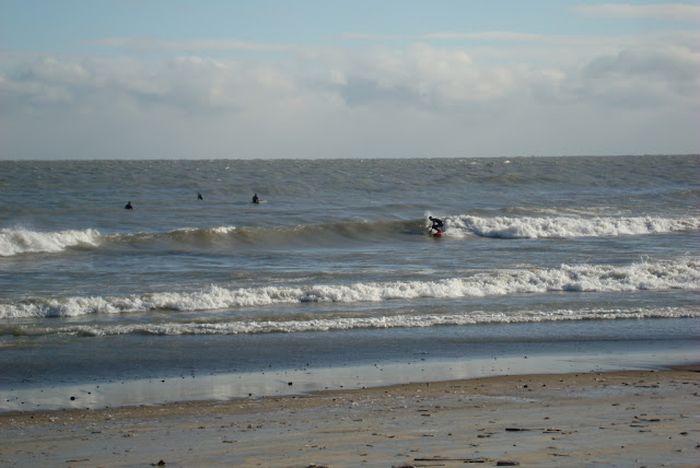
333	281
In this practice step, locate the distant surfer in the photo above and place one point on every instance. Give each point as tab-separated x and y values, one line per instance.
199	196
128	206
438	224
256	199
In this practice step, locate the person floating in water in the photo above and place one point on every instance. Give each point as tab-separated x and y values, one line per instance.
256	199
128	206
199	196
438	224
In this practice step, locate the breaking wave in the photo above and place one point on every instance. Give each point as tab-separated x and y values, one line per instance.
350	323
683	273
566	226
15	241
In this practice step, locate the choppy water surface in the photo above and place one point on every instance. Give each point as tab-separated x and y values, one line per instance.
336	267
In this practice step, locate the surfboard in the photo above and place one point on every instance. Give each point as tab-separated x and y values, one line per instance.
439	234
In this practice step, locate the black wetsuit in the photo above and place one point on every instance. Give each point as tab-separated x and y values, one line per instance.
438	225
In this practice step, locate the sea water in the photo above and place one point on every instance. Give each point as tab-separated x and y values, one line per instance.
586	259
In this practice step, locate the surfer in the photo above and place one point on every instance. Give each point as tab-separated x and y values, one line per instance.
199	196
256	199
128	206
438	224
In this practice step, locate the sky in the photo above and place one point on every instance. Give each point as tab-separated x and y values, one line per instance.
145	79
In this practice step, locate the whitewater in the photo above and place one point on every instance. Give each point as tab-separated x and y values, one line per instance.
681	274
17	241
555	256
236	327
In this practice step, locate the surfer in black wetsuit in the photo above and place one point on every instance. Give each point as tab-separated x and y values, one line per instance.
128	206
438	224
256	199
199	196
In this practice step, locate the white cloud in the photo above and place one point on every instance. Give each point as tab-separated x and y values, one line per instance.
547	97
151	44
671	11
660	77
192	84
504	36
424	77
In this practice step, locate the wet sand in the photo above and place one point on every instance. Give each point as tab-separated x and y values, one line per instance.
631	418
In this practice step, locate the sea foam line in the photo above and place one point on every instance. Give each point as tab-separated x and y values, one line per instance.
351	323
15	241
566	226
683	273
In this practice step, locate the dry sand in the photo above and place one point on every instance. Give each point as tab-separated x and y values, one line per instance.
621	418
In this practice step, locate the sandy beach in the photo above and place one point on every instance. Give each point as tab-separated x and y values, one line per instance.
628	418
341	234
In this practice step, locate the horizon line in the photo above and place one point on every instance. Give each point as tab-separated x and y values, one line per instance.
388	158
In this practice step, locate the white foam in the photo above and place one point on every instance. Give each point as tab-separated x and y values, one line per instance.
214	230
15	241
566	226
350	323
224	229
682	273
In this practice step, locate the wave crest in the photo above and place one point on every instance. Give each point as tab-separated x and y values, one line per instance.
566	226
351	323
681	274
15	241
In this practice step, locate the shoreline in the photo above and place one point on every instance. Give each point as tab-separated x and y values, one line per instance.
156	391
242	402
634	416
